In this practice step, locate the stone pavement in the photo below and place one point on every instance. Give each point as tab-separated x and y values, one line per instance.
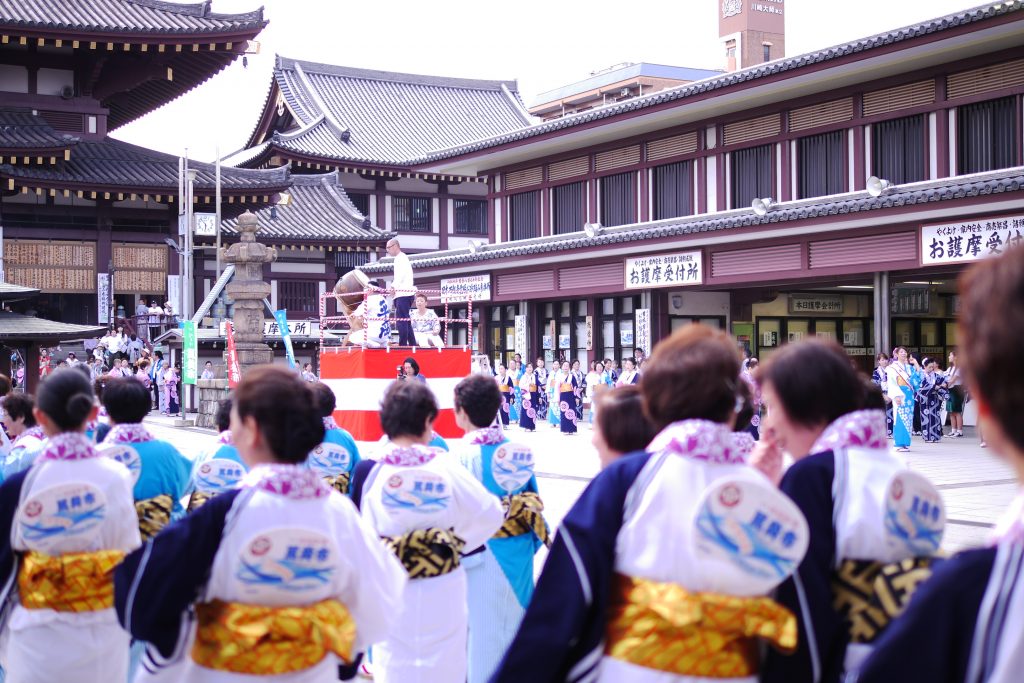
976	484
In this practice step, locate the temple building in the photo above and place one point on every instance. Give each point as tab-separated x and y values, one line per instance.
834	194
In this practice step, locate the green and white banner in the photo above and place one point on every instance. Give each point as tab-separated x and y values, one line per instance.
190	352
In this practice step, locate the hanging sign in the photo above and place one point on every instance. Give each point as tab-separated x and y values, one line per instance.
282	322
815	303
590	332
103	297
234	371
520	338
970	240
468	288
909	300
665	270
190	352
643	329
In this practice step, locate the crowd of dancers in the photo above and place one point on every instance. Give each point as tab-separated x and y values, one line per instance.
810	555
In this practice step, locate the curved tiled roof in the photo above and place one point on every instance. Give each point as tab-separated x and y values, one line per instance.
125	16
931	26
320	209
117	164
17	327
390	118
25	130
933	191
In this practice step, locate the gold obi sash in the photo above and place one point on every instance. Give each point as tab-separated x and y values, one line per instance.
871	594
664	627
76	582
565	386
196	501
154	514
339	482
533	388
426	553
523	514
263	641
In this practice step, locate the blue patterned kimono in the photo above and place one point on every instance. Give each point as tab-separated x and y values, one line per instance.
500	574
542	395
514	407
932	393
505	387
568	393
903	379
879	378
530	398
554	413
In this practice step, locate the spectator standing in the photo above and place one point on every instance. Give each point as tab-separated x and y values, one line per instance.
620	426
955	403
208	370
159	381
134	348
404	289
307	373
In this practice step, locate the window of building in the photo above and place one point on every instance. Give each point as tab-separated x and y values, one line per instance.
822	164
345	261
767	52
568	320
361	202
986	136
569	207
502	347
524	215
411	214
673	190
618	199
898	149
616	320
298	296
470	217
751	175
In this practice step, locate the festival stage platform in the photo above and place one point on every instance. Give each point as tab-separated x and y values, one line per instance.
359	377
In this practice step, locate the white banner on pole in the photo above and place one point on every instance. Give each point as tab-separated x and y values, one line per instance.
103	298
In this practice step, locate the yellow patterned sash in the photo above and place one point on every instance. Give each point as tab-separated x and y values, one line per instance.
339	482
76	582
664	627
263	641
154	514
523	514
871	594
426	553
197	500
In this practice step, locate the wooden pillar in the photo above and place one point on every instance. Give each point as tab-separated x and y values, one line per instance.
379	191
5	361
31	368
104	249
442	219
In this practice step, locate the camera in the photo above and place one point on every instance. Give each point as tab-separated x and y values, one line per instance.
401	372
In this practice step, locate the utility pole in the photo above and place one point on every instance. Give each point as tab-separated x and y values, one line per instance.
217	210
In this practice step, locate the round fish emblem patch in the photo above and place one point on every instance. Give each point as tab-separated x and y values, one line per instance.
49	518
748	536
127	456
915	515
512	466
416	491
285	561
330	459
218	475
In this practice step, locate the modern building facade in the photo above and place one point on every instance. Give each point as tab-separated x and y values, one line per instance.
614	226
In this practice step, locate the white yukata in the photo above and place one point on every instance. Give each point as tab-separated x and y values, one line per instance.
71	500
420	488
376	332
282	539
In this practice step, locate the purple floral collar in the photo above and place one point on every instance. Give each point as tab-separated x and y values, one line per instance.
488	436
129	433
36	432
861	429
743	443
698	439
291	481
407	457
68	446
329	423
225	438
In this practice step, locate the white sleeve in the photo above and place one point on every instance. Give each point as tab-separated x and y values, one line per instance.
890	383
403	282
479	512
374	594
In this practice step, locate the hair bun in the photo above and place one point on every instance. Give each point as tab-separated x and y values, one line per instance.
79	406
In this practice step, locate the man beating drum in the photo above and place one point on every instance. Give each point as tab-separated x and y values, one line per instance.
369	323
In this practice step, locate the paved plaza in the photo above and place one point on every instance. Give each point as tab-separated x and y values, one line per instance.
976	485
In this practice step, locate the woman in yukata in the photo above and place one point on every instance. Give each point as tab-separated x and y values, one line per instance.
931	395
904	379
881	379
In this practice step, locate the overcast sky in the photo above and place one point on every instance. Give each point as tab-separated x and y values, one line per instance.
543	45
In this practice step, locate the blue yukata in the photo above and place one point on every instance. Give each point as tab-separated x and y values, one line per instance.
500	573
904	380
932	395
217	470
554	413
505	387
880	378
528	407
24	450
515	406
336	457
438	442
159	472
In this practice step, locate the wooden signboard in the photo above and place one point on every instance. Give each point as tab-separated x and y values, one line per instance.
51	265
140	268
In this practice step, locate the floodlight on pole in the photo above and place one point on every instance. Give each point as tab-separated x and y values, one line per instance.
474	246
877	186
762	206
592	230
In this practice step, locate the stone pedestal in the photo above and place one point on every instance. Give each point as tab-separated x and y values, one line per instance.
248	290
209	394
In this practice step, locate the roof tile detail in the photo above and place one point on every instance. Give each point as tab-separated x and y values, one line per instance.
124	16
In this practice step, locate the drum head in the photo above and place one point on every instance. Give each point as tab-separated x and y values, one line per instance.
351	286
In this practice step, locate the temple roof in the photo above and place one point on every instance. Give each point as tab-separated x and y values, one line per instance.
9	292
320	209
380	117
144	17
22	130
110	163
16	327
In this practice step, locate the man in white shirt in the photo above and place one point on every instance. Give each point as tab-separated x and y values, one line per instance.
404	292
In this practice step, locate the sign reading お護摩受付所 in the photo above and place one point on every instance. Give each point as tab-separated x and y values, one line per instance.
665	270
970	240
468	288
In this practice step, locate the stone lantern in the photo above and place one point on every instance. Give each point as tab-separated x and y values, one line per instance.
248	290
